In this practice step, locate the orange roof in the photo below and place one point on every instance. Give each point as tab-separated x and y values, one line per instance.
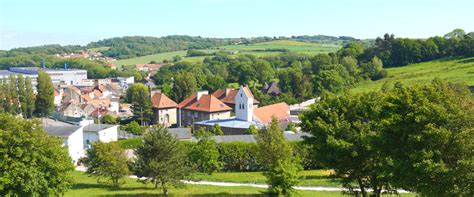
281	111
97	93
230	98
248	92
219	93
209	103
86	97
188	101
161	101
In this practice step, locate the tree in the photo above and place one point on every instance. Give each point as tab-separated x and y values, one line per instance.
177	58
184	85
139	96
13	95
214	82
276	155
33	163
217	130
44	103
344	130
351	66
109	119
204	155
134	128
107	160
428	131
29	97
252	130
22	95
374	69
161	159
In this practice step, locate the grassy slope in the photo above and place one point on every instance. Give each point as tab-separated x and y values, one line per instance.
293	46
452	70
88	186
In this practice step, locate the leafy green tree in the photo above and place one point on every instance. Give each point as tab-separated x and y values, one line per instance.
13	95
204	155
428	131
351	66
161	159
374	69
139	96
22	95
44	103
33	163
134	128
344	130
184	85
214	82
276	155
353	49
109	119
106	160
29	98
217	130
252	130
177	58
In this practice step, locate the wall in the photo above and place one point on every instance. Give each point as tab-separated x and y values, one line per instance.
159	116
75	145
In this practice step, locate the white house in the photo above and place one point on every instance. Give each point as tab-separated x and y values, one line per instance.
73	139
99	132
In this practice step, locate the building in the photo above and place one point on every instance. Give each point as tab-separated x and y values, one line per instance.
58	76
148	67
201	106
227	96
164	110
246	114
271	89
72	136
99	132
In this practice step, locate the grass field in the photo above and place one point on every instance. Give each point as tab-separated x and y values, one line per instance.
88	186
293	46
451	70
308	178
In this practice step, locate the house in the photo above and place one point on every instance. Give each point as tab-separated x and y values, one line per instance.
147	67
227	96
246	114
271	89
72	136
99	132
72	109
201	106
164	110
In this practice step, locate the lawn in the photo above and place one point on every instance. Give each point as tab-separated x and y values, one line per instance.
451	70
88	186
293	46
308	178
158	58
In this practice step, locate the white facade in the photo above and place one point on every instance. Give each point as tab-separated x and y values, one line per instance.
102	133
243	105
68	77
75	146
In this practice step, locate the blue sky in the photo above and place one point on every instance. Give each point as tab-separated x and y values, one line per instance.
39	22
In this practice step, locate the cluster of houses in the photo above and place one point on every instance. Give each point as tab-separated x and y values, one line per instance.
90	55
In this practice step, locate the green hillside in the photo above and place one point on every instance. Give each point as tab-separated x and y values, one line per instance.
452	70
257	49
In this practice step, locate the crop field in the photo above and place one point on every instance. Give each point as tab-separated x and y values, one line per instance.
451	70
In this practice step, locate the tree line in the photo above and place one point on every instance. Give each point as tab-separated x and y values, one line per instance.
395	52
17	96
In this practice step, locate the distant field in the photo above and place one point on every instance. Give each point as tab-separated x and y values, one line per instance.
253	49
293	46
451	70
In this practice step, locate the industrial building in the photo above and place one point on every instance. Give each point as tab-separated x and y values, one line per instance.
58	76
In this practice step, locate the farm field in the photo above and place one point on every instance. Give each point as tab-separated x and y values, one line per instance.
253	49
451	70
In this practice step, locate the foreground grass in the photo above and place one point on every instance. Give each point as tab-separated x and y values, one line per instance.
308	178
88	186
451	70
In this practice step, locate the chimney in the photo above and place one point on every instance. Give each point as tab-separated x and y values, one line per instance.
200	93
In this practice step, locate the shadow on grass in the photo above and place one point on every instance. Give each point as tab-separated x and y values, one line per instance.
109	187
470	60
193	195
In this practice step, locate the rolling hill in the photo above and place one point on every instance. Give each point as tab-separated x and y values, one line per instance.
452	70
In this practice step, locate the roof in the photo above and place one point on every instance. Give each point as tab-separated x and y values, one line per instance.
160	101
229	123
219	93
153	66
187	101
247	91
97	127
266	113
272	88
208	103
230	98
180	133
61	131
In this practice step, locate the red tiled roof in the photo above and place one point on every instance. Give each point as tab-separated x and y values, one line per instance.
281	111
248	92
230	98
191	99
219	93
152	66
161	101
209	103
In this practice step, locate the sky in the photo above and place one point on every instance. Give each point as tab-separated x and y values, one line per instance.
39	22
